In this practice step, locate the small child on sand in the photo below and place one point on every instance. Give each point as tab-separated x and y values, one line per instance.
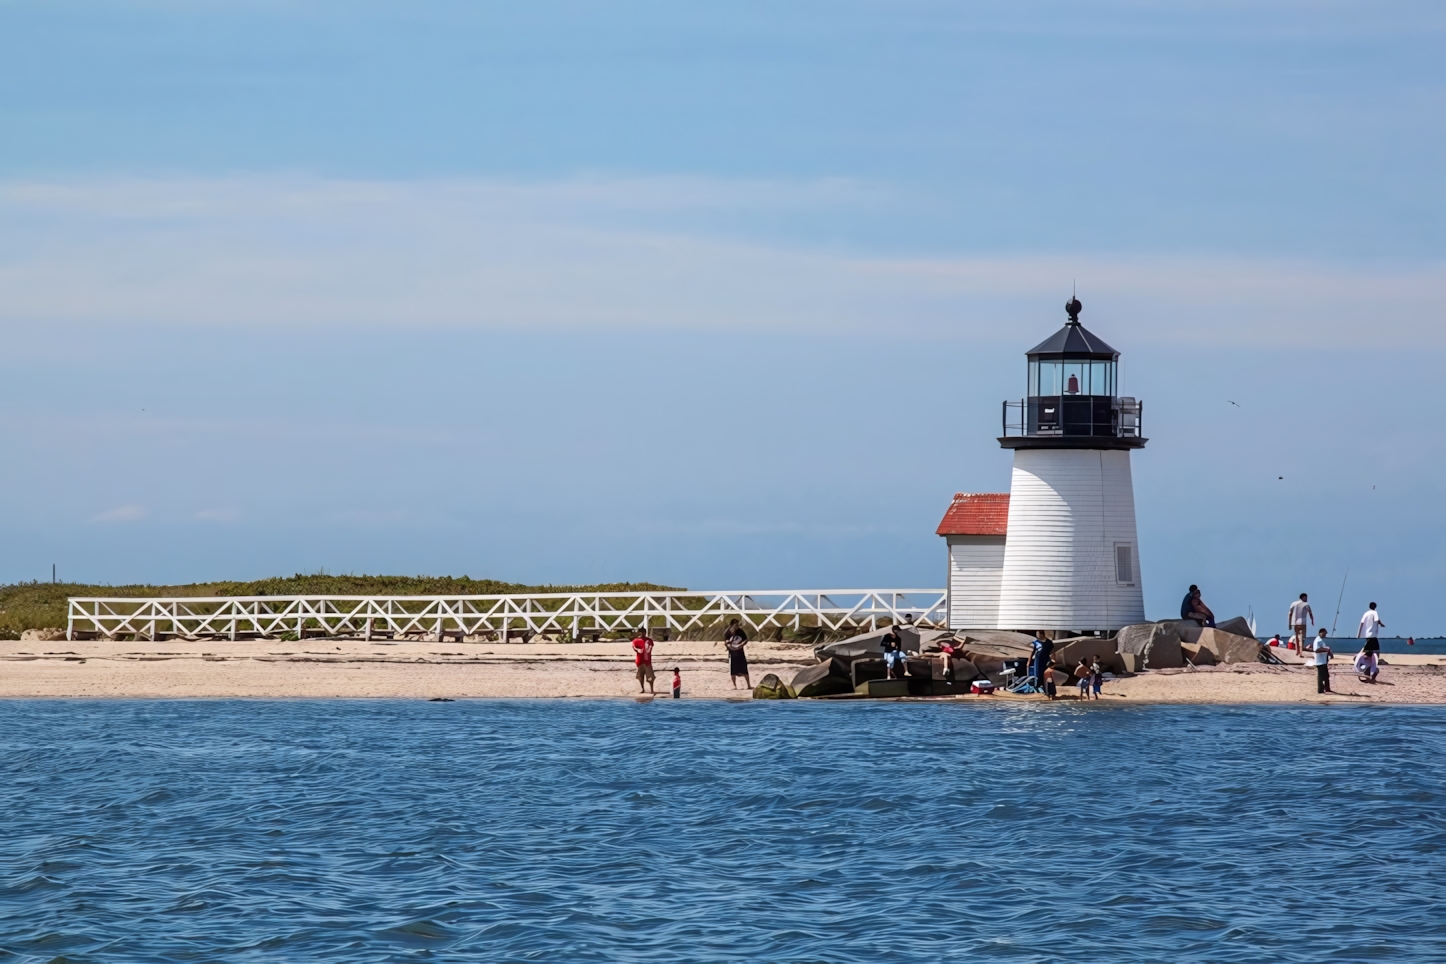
1082	671
677	683
1097	676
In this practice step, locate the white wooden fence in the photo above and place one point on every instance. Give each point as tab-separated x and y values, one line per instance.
574	615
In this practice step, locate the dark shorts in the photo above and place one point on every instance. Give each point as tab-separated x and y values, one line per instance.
645	673
737	663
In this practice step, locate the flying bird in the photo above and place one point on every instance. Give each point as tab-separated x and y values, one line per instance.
1236	404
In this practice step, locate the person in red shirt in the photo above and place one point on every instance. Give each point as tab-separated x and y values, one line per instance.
677	683
643	650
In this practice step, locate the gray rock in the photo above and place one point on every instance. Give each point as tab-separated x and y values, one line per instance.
1068	652
1197	654
772	688
1164	651
996	642
1230	648
885	688
1135	640
863	670
1187	630
821	680
871	645
1236	627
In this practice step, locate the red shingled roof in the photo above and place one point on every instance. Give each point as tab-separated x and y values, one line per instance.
976	514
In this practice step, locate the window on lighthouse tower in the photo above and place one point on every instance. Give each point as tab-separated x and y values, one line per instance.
1073	388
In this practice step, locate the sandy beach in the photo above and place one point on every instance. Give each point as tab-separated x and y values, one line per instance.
422	670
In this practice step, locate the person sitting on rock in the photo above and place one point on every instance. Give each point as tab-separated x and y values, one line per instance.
893	654
1193	607
947	651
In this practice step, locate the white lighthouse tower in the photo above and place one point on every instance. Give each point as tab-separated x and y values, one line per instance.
1071	559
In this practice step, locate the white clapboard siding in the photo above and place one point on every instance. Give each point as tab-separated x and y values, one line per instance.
1068	510
976	564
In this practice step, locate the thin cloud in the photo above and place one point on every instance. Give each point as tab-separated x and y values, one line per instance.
625	254
121	513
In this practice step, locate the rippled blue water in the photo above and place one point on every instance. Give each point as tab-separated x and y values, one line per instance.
615	831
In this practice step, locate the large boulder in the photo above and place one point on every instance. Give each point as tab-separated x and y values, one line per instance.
871	645
822	679
1236	627
1068	652
772	688
1164	651
1156	645
863	670
964	670
1135	639
1229	647
885	688
996	642
1197	654
1187	630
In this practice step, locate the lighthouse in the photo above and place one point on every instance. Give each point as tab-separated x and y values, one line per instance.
1071	556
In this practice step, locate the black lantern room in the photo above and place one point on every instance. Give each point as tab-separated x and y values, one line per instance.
1073	399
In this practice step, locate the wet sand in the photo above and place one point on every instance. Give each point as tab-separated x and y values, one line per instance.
423	670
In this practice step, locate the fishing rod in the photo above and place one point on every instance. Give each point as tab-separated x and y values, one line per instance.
1339	598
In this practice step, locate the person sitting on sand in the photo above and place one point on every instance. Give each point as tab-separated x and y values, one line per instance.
1083	672
643	650
1193	607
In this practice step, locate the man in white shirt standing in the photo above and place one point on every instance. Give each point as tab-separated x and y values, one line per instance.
1299	613
1371	624
1322	663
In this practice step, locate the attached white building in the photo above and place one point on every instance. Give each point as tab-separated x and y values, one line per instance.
974	527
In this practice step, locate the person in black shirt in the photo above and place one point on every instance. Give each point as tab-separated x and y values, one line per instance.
734	640
893	654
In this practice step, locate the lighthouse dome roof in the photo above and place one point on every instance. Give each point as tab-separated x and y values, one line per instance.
1073	340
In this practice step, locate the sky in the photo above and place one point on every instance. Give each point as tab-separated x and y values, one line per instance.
722	296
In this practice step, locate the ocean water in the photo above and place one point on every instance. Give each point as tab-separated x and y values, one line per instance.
708	831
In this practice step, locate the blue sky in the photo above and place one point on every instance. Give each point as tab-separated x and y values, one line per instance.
714	295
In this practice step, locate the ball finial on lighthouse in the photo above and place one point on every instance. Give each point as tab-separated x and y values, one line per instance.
1072	307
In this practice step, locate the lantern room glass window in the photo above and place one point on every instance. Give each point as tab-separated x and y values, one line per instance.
1073	377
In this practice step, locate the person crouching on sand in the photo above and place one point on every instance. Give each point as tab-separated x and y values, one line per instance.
1365	665
643	648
